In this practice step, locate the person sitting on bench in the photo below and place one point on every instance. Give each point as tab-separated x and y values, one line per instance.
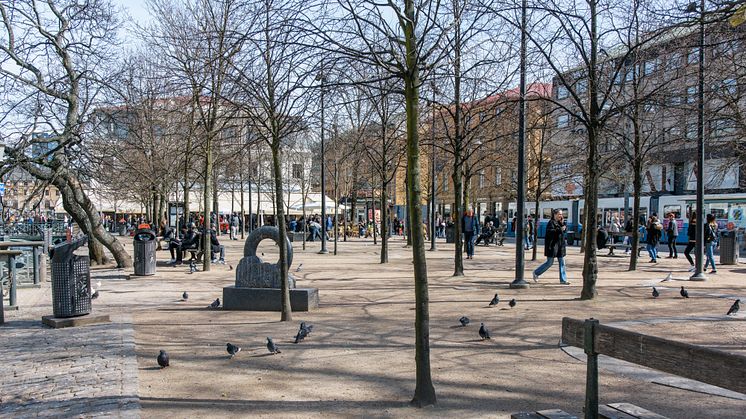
216	247
191	242
174	243
487	232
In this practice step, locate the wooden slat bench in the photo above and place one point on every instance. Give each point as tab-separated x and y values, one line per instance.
543	414
698	363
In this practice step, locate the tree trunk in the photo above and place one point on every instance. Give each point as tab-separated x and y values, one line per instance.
285	290
636	190
384	218
207	202
458	256
424	393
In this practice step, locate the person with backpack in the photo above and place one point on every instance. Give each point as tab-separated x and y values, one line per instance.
711	241
554	247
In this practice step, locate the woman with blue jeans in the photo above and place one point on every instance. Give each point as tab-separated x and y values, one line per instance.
654	233
554	247
711	235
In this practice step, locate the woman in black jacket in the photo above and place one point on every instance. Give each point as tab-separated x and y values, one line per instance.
691	233
554	247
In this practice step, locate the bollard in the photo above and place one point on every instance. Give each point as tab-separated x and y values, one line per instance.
591	379
12	279
36	264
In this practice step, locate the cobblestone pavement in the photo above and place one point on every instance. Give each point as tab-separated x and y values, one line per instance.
88	371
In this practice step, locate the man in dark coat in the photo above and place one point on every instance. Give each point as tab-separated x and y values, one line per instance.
654	232
554	247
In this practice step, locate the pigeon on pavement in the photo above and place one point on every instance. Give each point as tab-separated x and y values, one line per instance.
512	302
299	268
215	304
684	293
95	295
484	333
495	300
271	347
668	277
656	294
163	359
192	267
185	296
232	349
734	308
464	320
302	333
307	328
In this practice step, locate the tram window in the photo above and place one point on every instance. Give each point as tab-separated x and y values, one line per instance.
546	213
719	212
675	209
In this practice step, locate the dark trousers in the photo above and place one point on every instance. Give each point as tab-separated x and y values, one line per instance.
672	251
687	251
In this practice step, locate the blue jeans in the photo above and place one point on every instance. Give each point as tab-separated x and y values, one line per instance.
528	241
652	251
710	254
469	239
546	265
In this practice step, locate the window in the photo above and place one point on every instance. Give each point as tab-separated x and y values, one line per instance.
650	108
563	121
581	86
722	127
297	171
730	86
693	56
691	94
675	131
630	74
498	111
562	92
675	99
648	67
691	131
482	116
445	183
498	176
673	61
481	178
675	209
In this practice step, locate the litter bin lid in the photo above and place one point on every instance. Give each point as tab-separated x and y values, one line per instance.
144	235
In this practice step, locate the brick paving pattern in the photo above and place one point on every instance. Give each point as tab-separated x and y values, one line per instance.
73	372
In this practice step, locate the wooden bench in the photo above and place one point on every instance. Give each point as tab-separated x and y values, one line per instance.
37	255
698	363
543	414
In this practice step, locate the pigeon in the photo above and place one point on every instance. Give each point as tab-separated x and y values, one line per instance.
94	295
192	267
184	296
302	333
230	267
512	303
656	294
215	304
464	321
271	347
484	333
494	301
734	308
299	268
684	293
668	277
163	359
262	253
307	328
232	349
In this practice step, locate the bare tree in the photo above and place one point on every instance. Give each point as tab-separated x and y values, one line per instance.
59	57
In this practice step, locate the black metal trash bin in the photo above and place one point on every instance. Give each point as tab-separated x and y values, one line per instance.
450	233
144	252
71	279
728	248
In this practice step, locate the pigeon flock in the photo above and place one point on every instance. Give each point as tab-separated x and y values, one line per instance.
685	294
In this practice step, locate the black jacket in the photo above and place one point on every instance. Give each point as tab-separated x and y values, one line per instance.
654	235
554	240
691	232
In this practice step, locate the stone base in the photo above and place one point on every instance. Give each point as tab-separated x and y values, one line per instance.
88	319
268	299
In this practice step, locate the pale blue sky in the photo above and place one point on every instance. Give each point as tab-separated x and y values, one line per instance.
135	8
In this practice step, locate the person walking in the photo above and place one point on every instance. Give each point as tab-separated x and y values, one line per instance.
469	226
711	242
554	247
672	233
654	232
529	233
691	233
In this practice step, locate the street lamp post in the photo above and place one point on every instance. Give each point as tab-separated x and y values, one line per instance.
432	179
520	261
699	274
322	78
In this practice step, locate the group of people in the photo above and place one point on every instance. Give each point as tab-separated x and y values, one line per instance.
190	240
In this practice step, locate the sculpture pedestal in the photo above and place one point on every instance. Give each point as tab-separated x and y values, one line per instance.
268	299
